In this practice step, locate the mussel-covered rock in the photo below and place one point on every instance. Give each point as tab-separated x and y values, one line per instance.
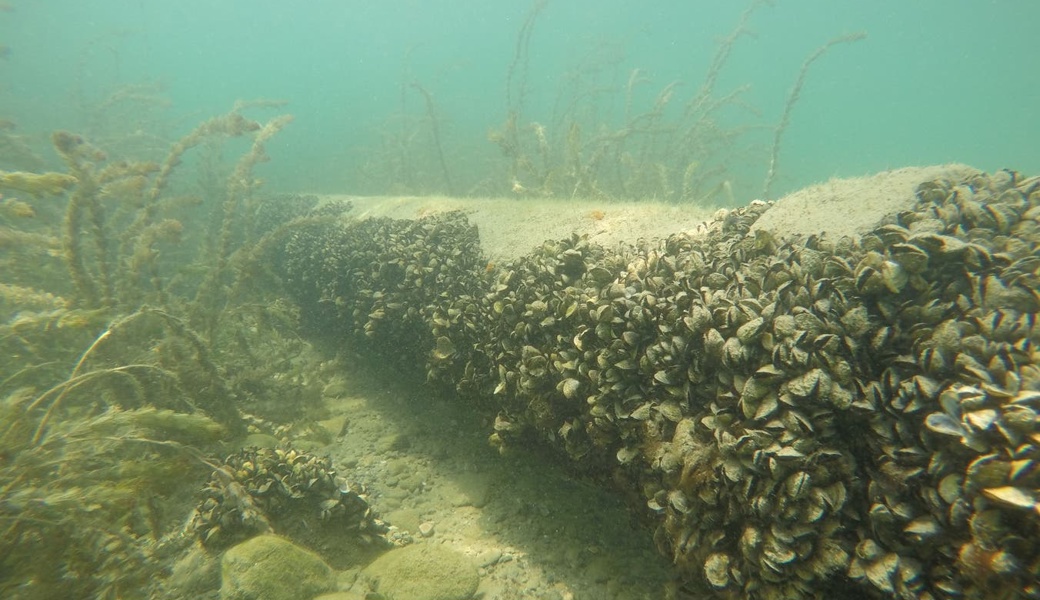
260	490
791	414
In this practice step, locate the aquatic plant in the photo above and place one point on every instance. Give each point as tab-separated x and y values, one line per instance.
85	507
15	151
121	373
411	156
666	152
599	139
792	99
93	452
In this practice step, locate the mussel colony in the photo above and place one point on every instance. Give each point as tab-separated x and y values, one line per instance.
258	490
794	416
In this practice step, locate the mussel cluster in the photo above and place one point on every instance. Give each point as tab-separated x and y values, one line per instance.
795	416
375	281
261	489
274	210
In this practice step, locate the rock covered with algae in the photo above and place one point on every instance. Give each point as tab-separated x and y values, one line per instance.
269	567
423	572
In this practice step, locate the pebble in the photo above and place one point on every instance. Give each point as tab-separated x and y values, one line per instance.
426	528
490	558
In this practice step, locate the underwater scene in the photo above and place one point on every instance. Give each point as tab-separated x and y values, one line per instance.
540	299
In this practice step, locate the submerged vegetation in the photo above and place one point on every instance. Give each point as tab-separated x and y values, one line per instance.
127	355
599	139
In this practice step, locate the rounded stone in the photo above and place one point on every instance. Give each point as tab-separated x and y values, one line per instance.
259	440
423	572
269	567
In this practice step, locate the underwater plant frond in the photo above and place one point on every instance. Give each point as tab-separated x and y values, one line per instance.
17	295
37	184
792	99
80	503
62	390
10	237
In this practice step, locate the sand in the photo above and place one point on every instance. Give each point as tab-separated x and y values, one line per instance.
533	529
852	206
511	227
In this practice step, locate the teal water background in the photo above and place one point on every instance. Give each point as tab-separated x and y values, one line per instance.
934	81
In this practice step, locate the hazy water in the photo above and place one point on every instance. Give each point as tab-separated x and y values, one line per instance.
935	81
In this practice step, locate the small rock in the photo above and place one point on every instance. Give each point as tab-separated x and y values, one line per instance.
404	518
273	568
426	528
473	490
423	572
490	558
393	441
259	440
